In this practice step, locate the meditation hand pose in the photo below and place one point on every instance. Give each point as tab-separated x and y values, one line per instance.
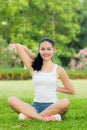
46	106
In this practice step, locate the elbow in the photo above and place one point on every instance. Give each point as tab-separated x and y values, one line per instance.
72	92
17	48
18	45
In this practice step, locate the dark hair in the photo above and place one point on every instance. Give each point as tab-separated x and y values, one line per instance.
38	61
47	39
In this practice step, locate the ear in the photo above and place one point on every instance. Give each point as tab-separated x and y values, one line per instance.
54	50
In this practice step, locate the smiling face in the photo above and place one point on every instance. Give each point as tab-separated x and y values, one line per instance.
46	50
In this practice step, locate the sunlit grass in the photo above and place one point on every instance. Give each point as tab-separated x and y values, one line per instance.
24	88
75	119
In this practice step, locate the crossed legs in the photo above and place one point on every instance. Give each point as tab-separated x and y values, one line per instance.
60	107
19	106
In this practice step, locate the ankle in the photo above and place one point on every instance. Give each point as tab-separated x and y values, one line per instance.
53	117
22	116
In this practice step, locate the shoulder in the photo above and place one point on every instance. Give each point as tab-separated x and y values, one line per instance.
60	71
59	68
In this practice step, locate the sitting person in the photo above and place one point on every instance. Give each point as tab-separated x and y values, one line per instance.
45	73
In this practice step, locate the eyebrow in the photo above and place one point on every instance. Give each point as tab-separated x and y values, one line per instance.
46	47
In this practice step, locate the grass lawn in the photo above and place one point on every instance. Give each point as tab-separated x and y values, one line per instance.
75	119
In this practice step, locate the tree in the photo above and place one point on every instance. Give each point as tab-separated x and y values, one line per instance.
29	21
83	24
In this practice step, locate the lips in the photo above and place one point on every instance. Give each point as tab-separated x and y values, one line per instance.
45	55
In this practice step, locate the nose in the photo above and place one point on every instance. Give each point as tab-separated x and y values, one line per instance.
45	52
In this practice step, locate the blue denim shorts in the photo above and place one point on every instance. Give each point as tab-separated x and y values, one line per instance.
40	106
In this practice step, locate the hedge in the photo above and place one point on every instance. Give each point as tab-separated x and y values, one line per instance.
77	74
23	74
14	74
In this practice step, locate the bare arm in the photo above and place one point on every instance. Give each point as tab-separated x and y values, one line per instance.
26	56
29	52
68	87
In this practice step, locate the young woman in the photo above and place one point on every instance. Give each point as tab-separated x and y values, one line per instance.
46	106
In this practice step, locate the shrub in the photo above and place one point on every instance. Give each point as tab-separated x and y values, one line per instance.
79	61
77	74
15	61
14	74
8	57
24	74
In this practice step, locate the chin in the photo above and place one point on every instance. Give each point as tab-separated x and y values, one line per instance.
45	59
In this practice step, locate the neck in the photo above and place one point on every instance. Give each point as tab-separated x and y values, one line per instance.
47	62
47	66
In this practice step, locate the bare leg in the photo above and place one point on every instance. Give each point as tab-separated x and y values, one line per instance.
21	107
59	107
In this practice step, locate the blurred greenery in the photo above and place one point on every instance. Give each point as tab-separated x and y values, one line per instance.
27	22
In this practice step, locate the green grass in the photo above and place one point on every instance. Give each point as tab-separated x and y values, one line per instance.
75	119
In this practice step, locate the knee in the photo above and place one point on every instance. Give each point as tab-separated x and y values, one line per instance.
66	103
11	100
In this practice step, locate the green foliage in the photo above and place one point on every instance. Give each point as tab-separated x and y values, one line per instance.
77	74
82	37
83	24
56	59
14	74
29	21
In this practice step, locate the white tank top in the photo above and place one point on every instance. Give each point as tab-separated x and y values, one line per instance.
45	85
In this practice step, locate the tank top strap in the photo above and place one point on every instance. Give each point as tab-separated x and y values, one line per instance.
55	68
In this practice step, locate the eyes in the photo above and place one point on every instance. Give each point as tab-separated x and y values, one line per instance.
43	49
46	46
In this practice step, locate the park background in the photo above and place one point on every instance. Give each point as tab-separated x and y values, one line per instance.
27	22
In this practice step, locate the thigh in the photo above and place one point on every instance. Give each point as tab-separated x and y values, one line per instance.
59	107
17	104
